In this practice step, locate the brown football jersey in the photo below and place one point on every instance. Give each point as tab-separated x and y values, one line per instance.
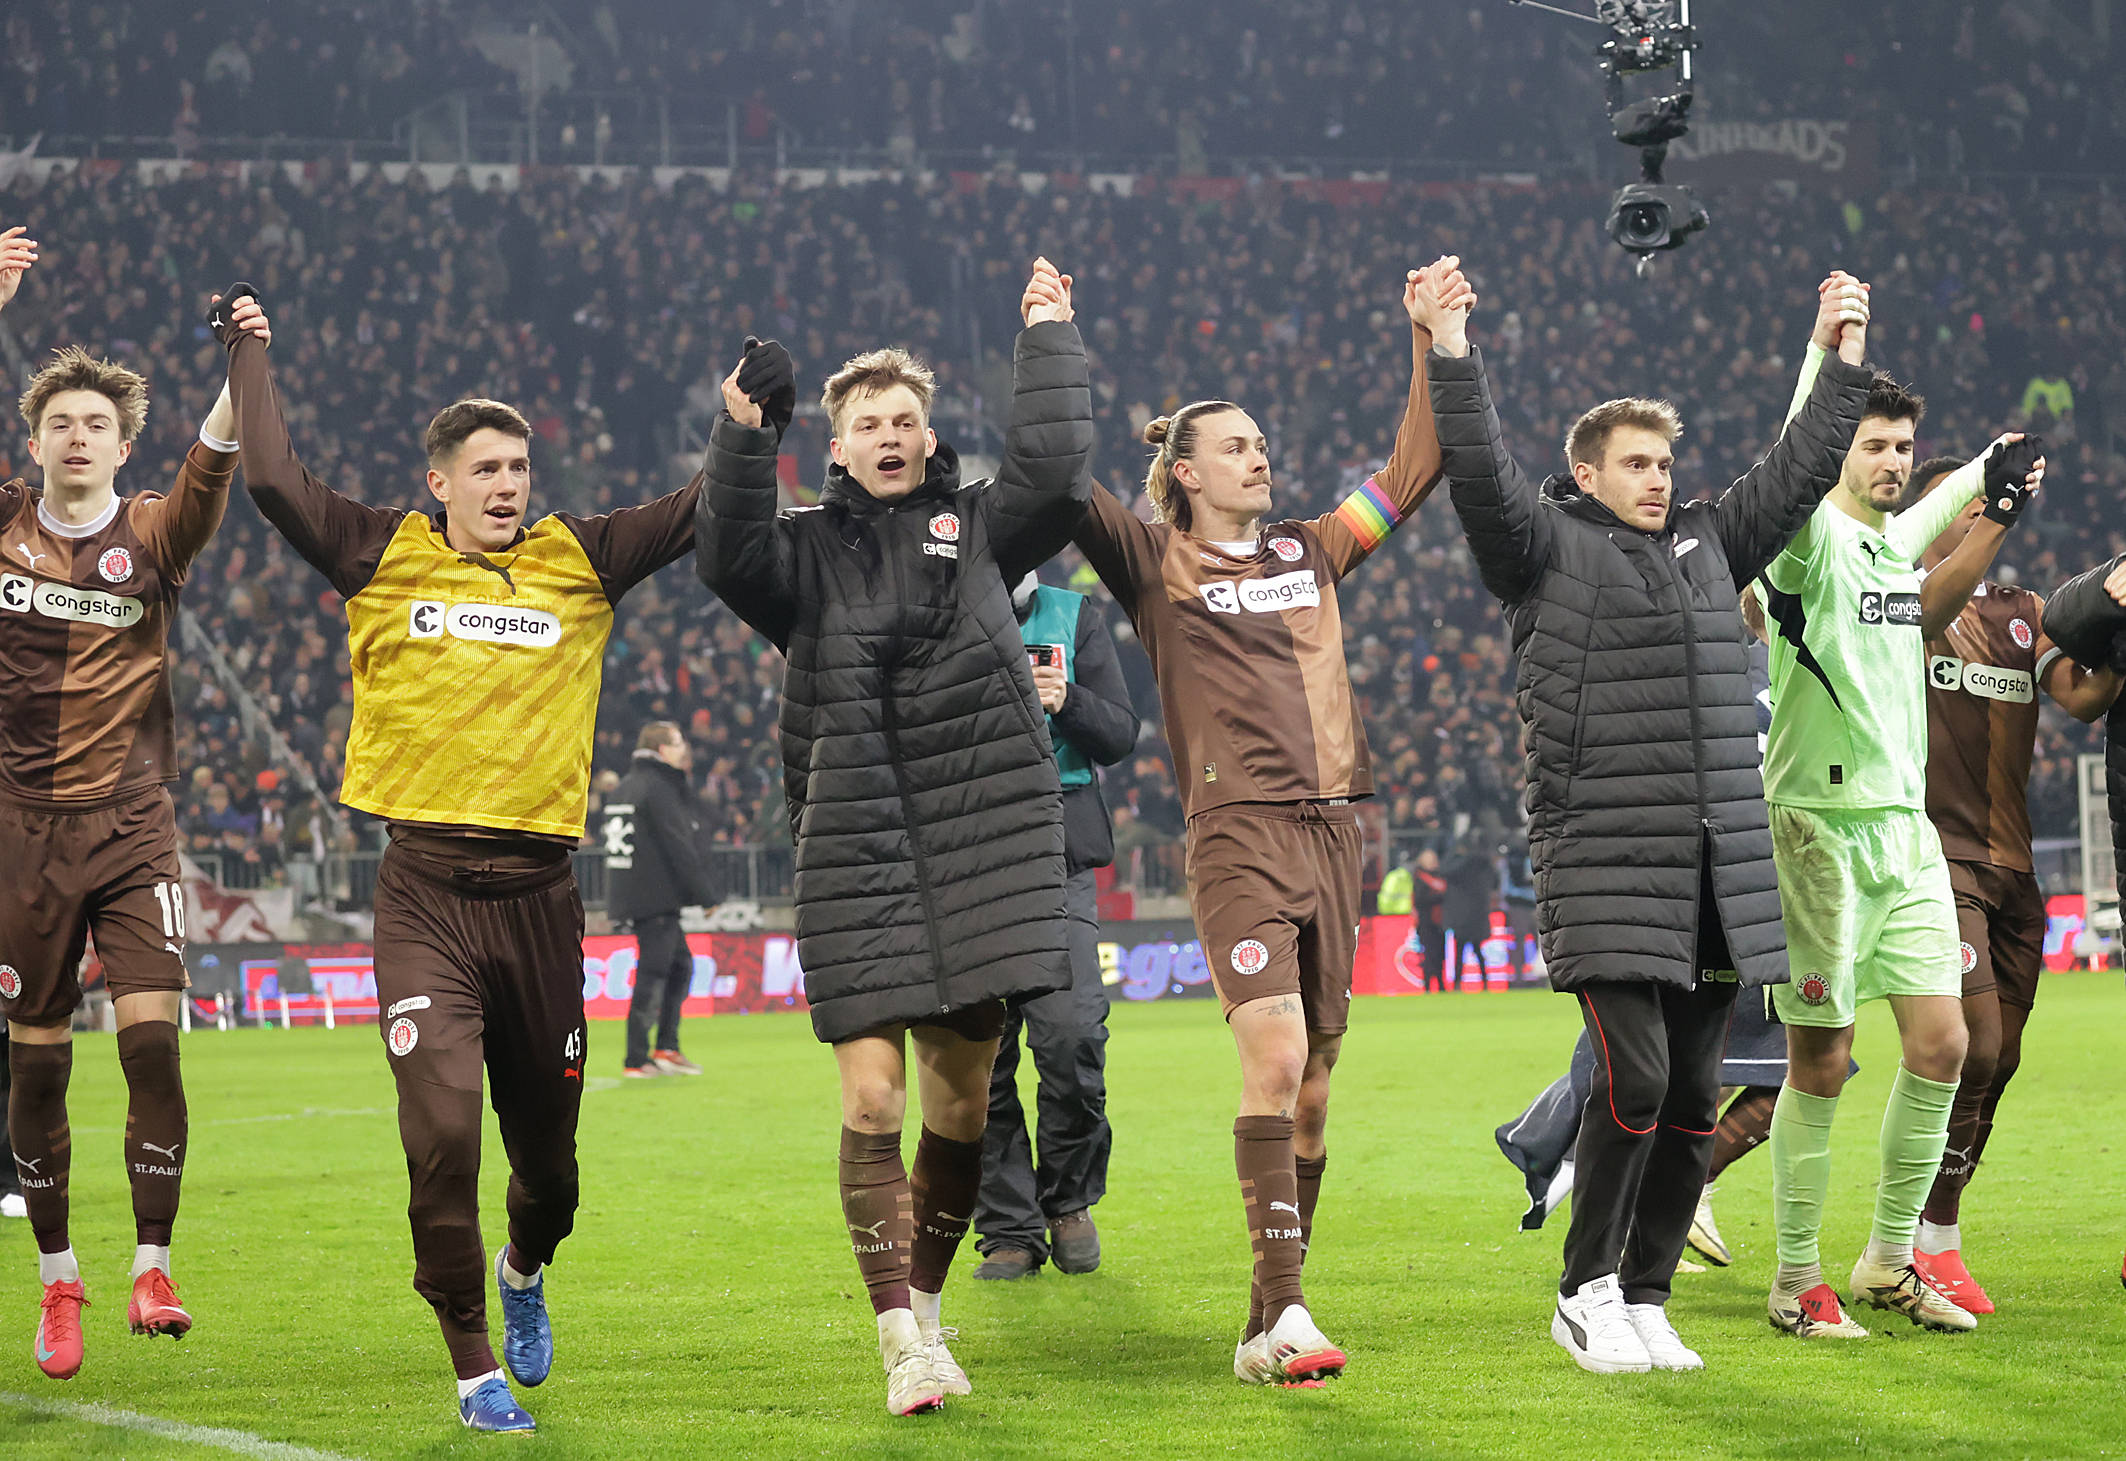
1983	675
1248	643
85	614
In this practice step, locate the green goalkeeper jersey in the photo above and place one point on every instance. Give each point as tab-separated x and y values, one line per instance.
1848	658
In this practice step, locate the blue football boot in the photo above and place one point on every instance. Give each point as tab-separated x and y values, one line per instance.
493	1408
527	1335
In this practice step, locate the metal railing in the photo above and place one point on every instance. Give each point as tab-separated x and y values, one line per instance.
763	873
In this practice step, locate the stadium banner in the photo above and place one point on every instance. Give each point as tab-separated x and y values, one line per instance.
1789	149
755	973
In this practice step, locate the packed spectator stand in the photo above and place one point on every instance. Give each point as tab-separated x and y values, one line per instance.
606	305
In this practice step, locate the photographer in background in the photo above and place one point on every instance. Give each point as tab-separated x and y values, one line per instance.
655	867
1026	1215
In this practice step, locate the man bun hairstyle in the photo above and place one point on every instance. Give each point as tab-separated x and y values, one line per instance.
74	369
1175	436
1588	439
875	371
1893	402
455	424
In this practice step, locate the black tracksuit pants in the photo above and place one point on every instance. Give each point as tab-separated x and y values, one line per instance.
664	971
1067	1034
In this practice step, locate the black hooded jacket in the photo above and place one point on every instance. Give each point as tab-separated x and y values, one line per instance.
1633	679
924	799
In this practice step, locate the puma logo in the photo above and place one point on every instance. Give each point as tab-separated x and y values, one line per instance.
872	1232
27	556
1872	549
27	1165
946	1217
1288	1207
168	1153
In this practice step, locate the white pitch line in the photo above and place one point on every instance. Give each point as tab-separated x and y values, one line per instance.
241	1443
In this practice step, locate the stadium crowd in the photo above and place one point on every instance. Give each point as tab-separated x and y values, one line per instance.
1949	87
607	311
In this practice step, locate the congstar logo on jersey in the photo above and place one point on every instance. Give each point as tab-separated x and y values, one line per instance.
1898	610
484	623
64	601
1990	682
1264	595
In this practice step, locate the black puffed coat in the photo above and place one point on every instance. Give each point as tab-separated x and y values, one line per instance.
2084	621
1633	682
923	793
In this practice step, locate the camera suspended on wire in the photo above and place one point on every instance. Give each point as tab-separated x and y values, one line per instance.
1650	215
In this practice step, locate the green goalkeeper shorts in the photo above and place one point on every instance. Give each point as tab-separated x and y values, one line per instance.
1869	912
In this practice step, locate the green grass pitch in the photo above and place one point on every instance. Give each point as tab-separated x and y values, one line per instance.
708	1306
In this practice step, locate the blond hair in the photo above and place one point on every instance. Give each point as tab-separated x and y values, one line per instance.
1175	436
875	371
74	369
1589	437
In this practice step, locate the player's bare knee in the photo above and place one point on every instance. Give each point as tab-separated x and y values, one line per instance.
873	1105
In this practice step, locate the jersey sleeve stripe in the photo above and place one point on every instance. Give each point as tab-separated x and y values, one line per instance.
1370	514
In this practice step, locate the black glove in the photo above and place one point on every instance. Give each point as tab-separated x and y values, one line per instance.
769	379
225	329
2007	478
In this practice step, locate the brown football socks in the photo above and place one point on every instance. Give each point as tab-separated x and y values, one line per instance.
1269	1188
946	1176
38	1131
1309	1170
155	1126
880	1212
1742	1128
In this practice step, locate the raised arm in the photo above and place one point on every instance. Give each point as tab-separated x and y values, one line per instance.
742	547
1949	586
2086	617
1501	512
1363	520
1121	548
1772	502
1044	483
1096	711
629	544
339	537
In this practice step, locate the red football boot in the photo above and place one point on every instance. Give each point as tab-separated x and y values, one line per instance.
59	1330
154	1309
1946	1272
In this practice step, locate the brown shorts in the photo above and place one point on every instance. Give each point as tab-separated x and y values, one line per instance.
977	1022
111	872
1274	887
2000	916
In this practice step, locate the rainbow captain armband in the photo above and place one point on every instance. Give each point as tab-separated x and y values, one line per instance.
1370	514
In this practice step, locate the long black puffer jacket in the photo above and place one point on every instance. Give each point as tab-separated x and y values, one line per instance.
1633	680
923	793
2090	626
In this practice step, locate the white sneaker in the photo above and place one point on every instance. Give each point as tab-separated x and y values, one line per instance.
912	1382
1299	1351
1904	1291
1705	1234
1251	1360
12	1205
1593	1327
1664	1346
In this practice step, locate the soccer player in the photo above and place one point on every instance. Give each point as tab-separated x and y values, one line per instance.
924	795
1239	617
88	590
1647	826
1865	891
476	645
1983	672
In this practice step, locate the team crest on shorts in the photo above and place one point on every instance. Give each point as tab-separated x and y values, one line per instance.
1287	549
2019	631
116	565
1970	958
405	1034
10	981
945	527
1814	989
1250	956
